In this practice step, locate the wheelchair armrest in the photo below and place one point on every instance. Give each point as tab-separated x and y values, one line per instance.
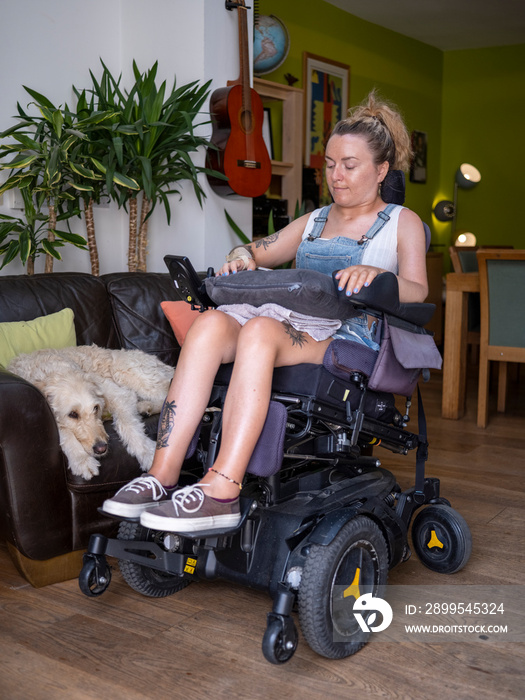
383	296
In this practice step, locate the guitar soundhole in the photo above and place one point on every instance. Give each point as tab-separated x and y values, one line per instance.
246	121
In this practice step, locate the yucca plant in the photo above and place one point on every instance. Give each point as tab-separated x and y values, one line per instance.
90	177
25	237
49	163
151	145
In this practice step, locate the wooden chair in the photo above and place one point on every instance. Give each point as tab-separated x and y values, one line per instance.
502	339
464	259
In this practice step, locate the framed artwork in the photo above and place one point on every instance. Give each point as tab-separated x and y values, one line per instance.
326	90
418	167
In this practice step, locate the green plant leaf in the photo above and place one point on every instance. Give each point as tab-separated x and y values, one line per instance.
124	181
244	238
41	100
21	161
51	248
11	253
74	238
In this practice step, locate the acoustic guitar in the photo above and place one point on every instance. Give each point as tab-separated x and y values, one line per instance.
237	114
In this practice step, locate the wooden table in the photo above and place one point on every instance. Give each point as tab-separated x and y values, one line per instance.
455	352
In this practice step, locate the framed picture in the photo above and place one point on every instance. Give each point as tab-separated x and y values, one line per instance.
267	132
326	90
418	167
326	86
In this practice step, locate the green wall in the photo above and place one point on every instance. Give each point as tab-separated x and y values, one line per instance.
405	71
484	123
470	103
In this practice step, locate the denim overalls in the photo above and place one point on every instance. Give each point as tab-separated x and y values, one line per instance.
329	254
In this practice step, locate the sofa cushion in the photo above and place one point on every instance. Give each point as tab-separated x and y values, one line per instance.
139	321
181	317
26	297
52	331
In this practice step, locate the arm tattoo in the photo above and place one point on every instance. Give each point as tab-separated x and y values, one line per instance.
167	420
265	242
297	337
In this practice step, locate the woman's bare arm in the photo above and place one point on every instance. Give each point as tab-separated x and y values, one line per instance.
412	274
278	248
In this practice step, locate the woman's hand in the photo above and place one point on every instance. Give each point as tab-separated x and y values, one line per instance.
355	277
230	268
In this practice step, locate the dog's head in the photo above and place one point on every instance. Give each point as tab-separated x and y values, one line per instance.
78	405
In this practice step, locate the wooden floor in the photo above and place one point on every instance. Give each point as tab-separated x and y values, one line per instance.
205	641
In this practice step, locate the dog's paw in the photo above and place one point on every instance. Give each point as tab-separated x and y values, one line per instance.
87	469
145	407
146	455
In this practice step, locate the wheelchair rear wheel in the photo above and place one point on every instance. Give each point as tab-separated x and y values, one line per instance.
144	580
334	576
441	539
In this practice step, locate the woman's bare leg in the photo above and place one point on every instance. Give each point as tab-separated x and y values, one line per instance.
262	345
211	341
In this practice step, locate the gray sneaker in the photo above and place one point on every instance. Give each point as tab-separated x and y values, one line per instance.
140	494
190	509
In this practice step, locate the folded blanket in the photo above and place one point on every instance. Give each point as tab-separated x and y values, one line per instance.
317	328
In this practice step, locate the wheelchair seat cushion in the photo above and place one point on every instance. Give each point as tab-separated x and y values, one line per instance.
310	381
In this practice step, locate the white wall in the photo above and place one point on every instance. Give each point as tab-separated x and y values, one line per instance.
51	45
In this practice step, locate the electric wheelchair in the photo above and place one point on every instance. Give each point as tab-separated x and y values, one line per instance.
322	521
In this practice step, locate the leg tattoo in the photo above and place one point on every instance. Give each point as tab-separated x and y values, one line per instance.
167	420
297	337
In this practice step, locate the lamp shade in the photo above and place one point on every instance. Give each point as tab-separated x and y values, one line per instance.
444	210
467	176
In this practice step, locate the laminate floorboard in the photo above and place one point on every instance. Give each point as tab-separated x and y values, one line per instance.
205	641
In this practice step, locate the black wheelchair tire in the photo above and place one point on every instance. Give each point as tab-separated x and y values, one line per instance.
450	531
273	646
95	576
330	628
143	579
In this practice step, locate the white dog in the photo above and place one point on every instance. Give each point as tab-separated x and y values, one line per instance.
82	384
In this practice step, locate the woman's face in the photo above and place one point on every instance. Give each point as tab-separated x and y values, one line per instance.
351	174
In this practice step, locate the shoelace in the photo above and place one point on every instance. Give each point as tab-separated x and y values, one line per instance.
147	482
188	499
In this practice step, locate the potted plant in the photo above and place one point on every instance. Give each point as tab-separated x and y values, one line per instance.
49	169
151	145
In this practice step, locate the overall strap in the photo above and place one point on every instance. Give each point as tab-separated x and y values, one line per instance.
321	218
319	223
382	218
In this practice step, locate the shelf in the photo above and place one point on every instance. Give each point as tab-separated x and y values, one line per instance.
290	169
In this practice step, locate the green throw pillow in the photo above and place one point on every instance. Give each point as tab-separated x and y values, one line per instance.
51	331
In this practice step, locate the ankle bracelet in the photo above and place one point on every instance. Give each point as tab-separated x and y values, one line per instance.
211	469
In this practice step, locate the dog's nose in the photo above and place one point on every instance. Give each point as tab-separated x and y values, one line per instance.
100	448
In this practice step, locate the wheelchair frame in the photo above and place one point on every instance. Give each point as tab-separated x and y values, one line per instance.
329	517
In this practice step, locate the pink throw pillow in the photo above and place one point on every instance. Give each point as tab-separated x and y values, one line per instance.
180	316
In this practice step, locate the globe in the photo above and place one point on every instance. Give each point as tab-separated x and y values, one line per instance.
271	44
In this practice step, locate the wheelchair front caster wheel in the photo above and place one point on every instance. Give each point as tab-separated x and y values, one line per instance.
95	575
280	640
442	539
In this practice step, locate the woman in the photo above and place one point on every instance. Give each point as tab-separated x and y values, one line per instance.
359	154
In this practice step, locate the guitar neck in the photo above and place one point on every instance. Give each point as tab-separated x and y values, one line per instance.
244	57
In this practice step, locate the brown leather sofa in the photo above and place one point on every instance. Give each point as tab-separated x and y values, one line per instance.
46	513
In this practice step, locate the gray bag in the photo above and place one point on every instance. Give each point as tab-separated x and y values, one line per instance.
403	355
